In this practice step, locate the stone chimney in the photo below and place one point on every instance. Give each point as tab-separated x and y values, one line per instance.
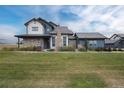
58	41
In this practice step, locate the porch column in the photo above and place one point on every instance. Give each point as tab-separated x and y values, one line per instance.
76	42
50	42
18	42
86	44
58	40
41	44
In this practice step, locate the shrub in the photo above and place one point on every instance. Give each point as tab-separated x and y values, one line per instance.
30	49
5	49
91	49
114	49
99	49
37	48
67	49
107	49
51	50
82	49
120	49
9	49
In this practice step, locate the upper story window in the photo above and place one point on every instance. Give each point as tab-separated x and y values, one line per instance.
34	28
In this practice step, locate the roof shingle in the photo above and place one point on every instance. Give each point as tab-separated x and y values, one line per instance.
63	30
93	35
108	41
121	35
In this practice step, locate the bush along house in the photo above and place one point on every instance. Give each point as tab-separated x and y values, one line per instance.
48	35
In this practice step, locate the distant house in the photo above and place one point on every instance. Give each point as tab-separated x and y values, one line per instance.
90	40
115	41
48	35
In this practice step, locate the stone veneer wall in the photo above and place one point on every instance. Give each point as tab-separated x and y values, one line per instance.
30	42
58	40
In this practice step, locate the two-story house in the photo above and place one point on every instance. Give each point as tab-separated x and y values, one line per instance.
45	34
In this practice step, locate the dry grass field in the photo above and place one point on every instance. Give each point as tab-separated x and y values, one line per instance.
7	46
75	70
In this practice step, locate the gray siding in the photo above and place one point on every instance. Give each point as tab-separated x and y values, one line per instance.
119	44
100	43
91	43
72	43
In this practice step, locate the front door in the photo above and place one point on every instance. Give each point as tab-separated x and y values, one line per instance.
46	43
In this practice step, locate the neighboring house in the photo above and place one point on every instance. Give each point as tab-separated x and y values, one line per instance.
48	35
115	41
43	34
90	40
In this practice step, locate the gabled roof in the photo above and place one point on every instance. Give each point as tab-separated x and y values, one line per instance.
62	29
93	35
33	19
42	21
112	41
52	23
120	35
108	41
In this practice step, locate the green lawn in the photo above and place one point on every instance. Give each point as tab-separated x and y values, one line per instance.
19	69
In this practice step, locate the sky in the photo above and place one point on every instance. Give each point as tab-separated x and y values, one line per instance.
103	19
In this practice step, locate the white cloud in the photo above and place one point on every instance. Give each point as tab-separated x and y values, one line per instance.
112	16
7	33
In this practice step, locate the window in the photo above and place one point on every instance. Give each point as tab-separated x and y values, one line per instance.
53	41
34	28
48	29
92	43
64	41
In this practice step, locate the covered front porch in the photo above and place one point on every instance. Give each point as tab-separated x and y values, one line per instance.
41	41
